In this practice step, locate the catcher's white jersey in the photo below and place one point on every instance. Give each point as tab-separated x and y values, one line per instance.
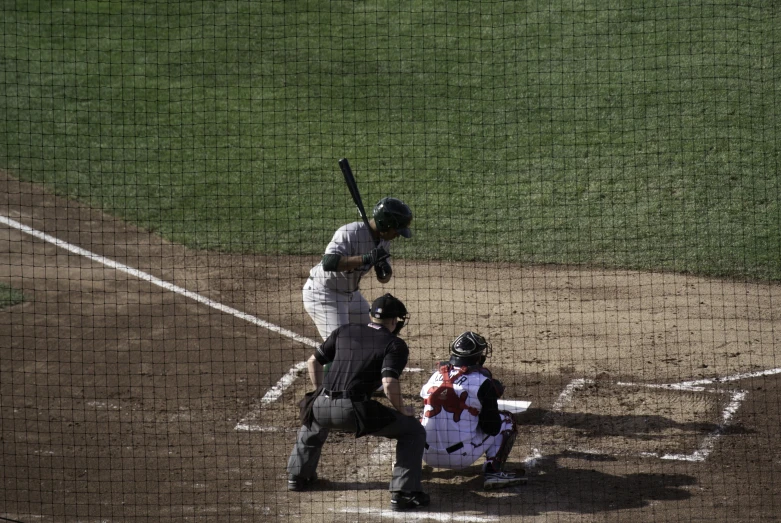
450	415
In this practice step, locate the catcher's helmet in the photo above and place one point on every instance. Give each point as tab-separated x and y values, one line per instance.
470	349
392	213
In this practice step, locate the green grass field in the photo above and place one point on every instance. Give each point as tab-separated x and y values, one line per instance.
613	133
9	296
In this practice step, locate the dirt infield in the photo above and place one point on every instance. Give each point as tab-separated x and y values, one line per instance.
655	397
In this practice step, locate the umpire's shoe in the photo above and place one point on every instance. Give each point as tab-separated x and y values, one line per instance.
297	483
409	500
494	480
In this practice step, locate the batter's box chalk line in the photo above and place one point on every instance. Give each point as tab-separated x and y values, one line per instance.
734	400
250	422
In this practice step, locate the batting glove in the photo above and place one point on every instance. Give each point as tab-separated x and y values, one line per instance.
376	255
383	270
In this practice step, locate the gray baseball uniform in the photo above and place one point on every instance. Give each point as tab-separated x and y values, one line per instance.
333	298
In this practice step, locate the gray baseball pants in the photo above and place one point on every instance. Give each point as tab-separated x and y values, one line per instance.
337	414
330	309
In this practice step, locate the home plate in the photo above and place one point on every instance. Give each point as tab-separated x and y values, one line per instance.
513	406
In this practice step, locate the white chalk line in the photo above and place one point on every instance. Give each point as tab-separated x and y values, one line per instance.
706	447
247	423
156	281
566	395
272	394
699	385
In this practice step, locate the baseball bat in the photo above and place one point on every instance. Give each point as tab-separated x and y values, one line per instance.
352	185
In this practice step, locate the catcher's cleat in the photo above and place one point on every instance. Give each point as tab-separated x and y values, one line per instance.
409	500
495	480
298	484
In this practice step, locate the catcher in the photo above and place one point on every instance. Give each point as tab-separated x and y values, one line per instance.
461	415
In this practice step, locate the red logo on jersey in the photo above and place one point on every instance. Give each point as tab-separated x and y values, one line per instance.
443	397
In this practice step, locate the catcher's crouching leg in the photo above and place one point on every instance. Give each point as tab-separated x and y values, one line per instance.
496	455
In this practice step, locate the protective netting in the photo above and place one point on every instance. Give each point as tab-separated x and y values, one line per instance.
594	189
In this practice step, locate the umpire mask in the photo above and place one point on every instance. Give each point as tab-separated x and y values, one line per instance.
403	320
388	306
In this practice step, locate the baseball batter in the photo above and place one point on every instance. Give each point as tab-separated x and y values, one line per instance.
461	415
332	296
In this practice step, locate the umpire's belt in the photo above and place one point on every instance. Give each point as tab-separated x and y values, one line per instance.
452	448
345	394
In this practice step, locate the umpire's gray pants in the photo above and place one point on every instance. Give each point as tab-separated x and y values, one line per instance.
337	414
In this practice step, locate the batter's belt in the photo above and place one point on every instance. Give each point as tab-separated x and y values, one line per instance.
349	293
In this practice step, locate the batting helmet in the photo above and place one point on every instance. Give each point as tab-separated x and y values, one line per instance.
392	213
470	348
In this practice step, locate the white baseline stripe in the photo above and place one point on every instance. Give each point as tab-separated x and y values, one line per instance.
156	281
273	393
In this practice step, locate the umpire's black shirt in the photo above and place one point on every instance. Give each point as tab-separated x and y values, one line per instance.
362	355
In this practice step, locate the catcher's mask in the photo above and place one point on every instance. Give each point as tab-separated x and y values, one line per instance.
393	214
388	306
470	348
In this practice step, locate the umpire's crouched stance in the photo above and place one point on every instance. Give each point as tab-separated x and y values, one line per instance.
362	357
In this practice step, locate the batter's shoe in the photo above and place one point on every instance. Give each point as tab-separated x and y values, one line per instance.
298	484
495	480
409	500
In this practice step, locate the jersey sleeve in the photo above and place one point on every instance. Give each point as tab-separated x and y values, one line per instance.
396	356
326	352
424	390
489	419
341	243
353	239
